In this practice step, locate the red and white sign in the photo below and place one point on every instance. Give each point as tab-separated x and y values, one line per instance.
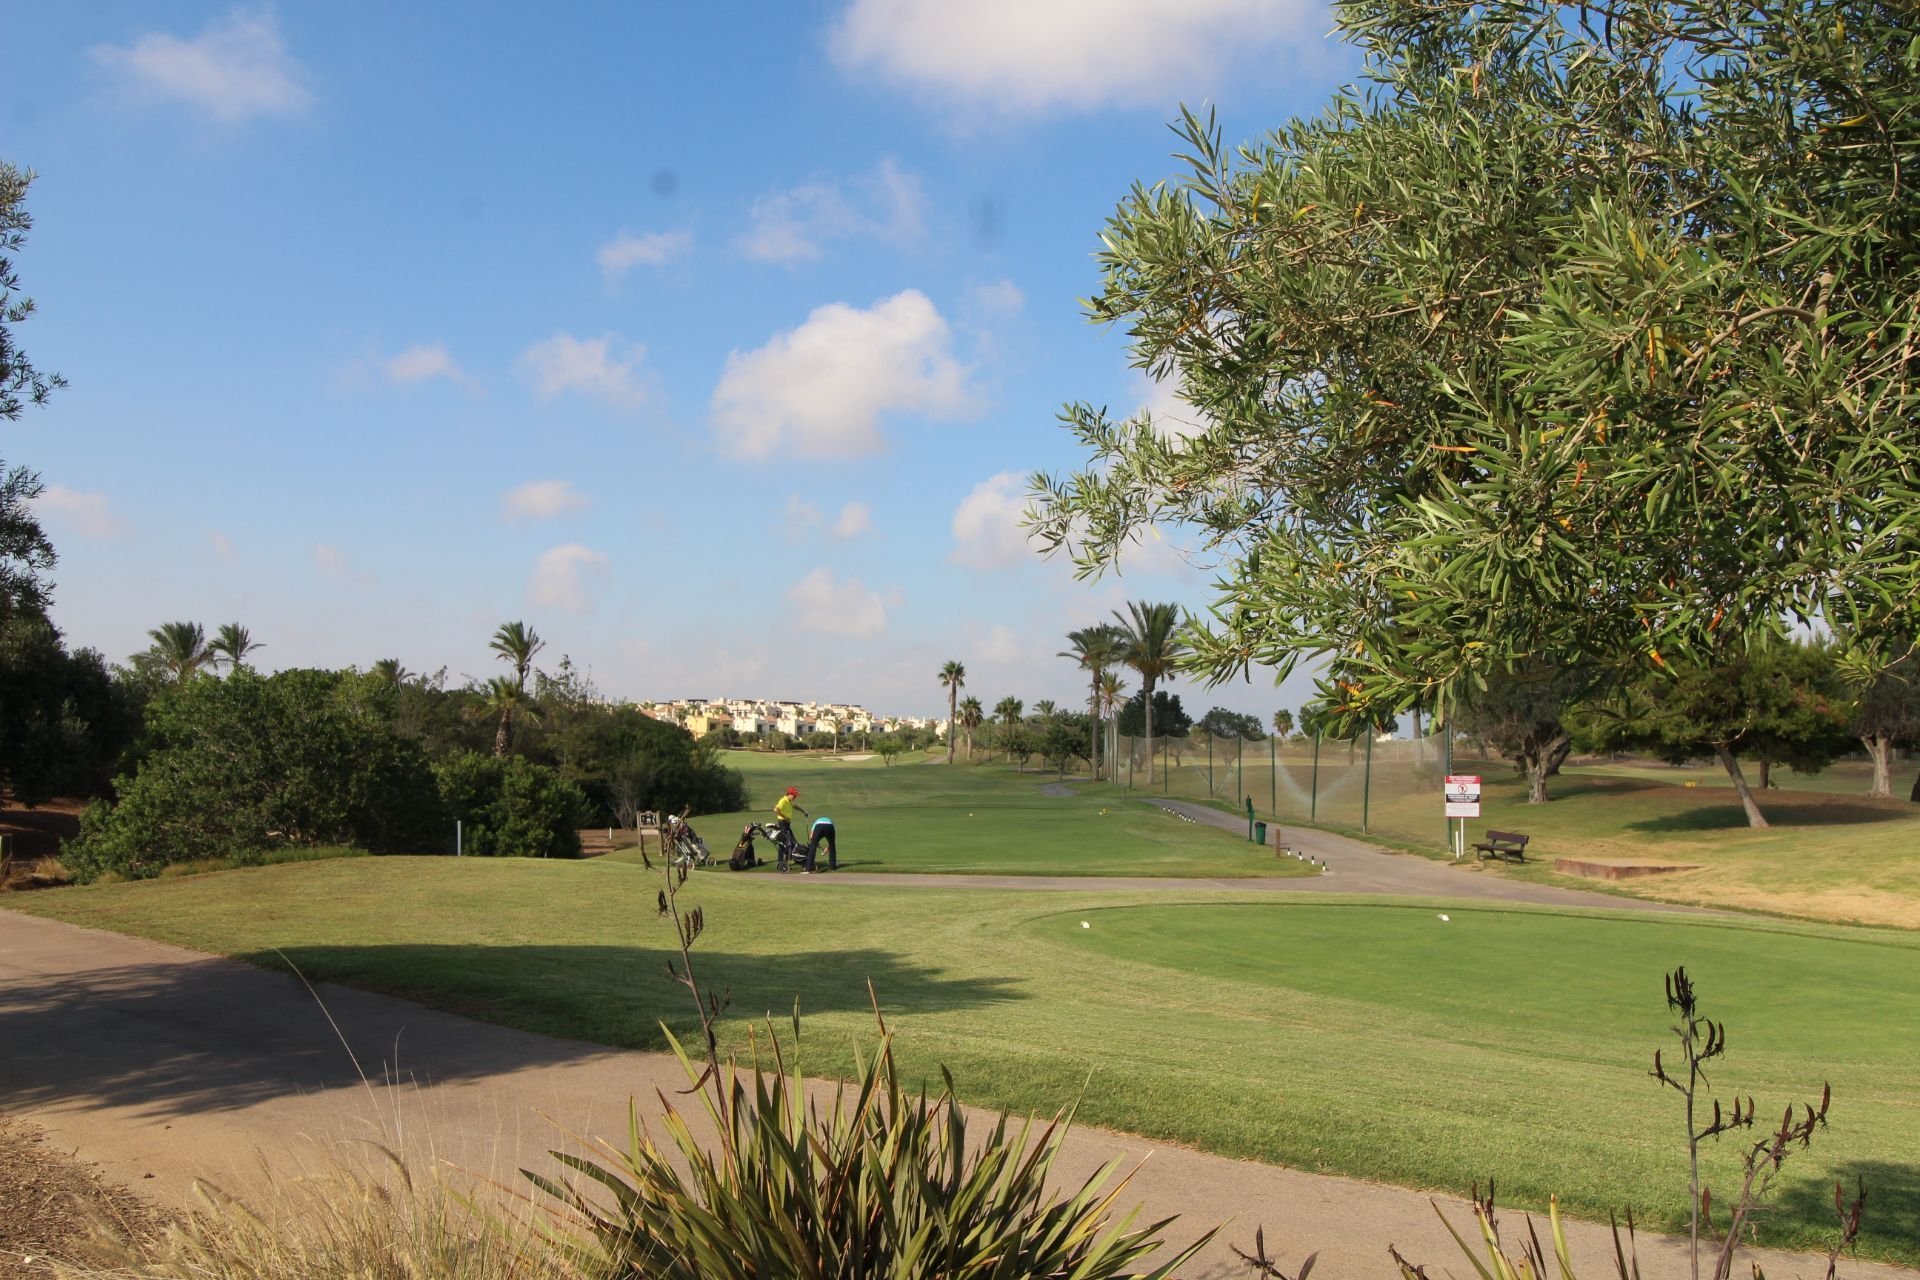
1463	795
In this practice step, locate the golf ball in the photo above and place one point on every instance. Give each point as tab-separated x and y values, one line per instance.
1085	925
1444	918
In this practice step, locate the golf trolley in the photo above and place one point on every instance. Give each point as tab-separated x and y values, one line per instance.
684	846
788	852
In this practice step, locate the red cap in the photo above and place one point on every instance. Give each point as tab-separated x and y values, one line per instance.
793	791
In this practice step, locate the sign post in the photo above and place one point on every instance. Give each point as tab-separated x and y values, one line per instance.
1463	802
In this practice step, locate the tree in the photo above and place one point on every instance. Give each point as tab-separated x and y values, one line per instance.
1781	703
25	552
888	747
241	765
18	377
1045	710
1222	723
511	807
66	722
1008	711
390	670
971	717
953	675
1168	714
1152	649
1064	739
181	649
1095	649
1283	724
231	645
1553	342
1886	716
504	700
516	644
1521	715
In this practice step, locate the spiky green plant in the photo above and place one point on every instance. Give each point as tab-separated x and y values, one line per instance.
881	1183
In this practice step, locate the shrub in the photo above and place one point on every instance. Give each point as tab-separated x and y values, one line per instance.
510	807
251	762
882	1183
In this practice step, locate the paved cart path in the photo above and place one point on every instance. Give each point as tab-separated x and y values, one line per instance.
162	1065
1352	866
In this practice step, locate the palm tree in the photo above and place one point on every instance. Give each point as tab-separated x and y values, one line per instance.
506	698
1283	723
1152	649
1045	710
182	647
1007	711
390	670
1095	649
231	645
1108	693
971	714
954	676
517	643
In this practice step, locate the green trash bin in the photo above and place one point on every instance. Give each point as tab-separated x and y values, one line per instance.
1260	833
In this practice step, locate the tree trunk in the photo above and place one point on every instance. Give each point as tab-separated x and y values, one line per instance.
504	734
1731	763
1536	767
1880	749
1146	705
1557	753
1093	705
1915	795
1766	774
953	695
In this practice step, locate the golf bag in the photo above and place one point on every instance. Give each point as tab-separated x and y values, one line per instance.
788	851
744	858
684	846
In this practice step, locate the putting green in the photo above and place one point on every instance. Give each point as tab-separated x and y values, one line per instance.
1823	999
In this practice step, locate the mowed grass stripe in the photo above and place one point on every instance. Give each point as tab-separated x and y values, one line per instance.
1362	1038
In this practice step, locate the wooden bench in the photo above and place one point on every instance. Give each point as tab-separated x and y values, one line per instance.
1510	845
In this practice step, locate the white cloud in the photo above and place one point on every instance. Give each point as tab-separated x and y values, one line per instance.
606	368
1174	417
625	252
329	560
421	363
1004	646
1016	56
836	608
986	524
88	514
559	578
819	390
802	517
235	69
223	548
796	224
1000	298
541	500
854	519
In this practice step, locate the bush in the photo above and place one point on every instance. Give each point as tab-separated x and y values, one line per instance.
509	807
248	763
884	1182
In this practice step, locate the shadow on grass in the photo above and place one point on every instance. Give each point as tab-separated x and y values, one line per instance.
1797	812
1892	1213
207	1035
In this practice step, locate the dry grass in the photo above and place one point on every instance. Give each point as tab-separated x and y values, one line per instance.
380	1221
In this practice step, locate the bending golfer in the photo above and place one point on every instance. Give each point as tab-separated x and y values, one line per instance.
822	833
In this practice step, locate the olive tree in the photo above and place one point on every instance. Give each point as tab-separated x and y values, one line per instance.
1580	334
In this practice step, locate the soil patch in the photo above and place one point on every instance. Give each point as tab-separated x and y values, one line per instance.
51	1204
37	832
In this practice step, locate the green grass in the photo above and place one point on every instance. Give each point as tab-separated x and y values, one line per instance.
1359	1037
986	820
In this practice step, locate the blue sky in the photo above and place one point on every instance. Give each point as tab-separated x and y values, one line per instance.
715	341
